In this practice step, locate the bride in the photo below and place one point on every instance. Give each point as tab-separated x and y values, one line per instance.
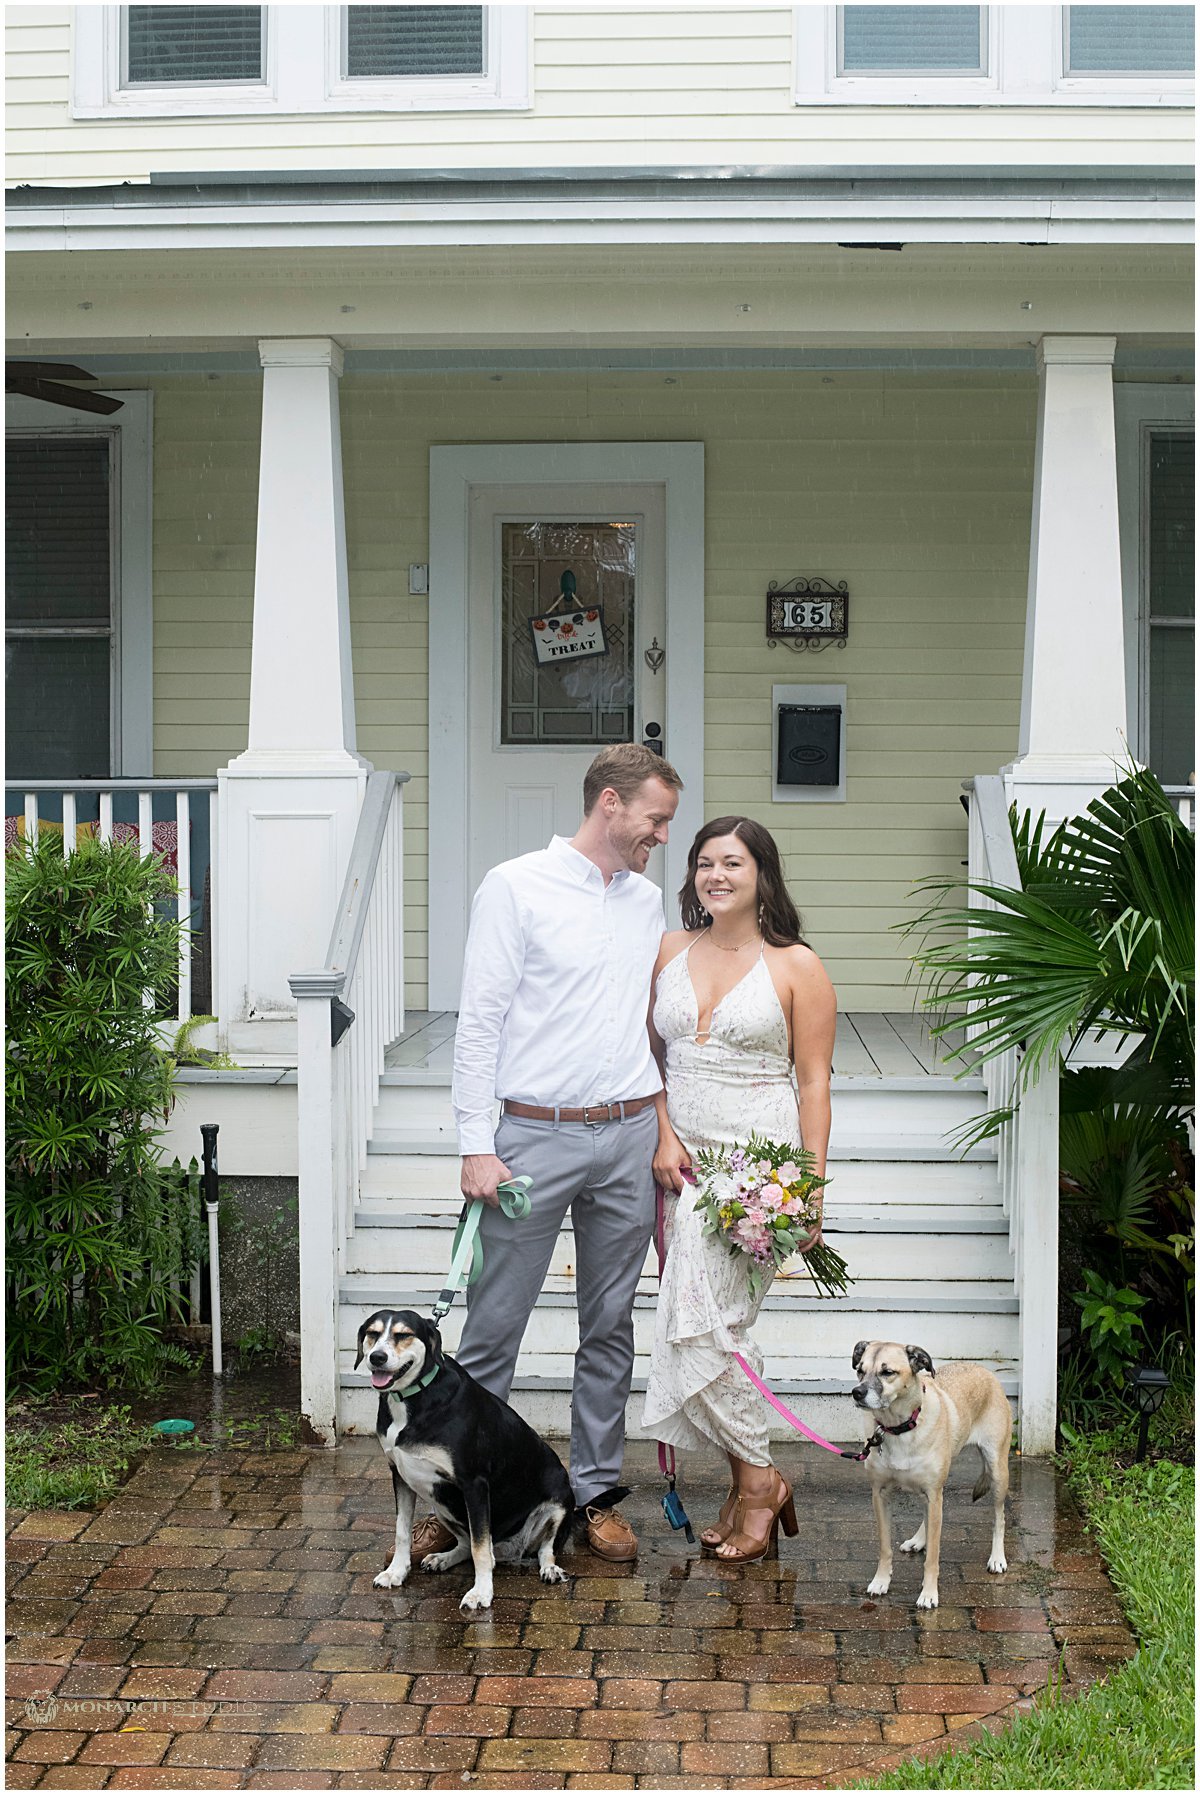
742	1023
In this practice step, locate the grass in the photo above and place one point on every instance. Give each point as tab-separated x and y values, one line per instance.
1135	1730
78	1460
72	1453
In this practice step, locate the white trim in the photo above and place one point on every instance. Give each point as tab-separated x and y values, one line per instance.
301	72
1140	408
808	794
133	601
453	471
1025	67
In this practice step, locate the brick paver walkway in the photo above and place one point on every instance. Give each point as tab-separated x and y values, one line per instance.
215	1627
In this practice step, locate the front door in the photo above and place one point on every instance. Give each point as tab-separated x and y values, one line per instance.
522	533
549	569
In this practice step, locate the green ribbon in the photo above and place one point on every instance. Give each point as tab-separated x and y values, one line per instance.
466	1254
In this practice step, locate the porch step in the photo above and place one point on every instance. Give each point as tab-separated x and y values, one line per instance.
429	1183
873	1118
928	1242
814	1388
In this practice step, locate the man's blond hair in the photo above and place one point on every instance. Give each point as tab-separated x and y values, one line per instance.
624	768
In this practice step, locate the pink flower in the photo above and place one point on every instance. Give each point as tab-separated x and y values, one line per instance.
788	1173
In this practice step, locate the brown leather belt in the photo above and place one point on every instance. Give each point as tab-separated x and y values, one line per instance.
593	1115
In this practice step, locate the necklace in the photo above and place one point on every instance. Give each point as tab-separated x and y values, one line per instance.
720	946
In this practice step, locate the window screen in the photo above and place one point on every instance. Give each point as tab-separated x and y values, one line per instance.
1171	537
930	40
413	40
169	44
59	627
1130	40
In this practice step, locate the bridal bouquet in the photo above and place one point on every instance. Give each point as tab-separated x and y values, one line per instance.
763	1200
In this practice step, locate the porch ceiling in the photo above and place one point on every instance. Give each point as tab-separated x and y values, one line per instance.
990	298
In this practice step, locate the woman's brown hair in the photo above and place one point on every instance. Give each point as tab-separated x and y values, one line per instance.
779	919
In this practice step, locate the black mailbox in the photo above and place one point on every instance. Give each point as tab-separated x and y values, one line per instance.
810	740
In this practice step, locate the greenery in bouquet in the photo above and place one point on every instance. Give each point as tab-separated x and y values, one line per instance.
763	1201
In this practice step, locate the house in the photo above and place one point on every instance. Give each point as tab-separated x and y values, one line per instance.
842	356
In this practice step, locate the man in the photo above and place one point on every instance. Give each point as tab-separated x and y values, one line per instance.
553	1022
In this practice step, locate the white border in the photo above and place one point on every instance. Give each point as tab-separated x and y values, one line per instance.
808	794
133	601
1139	408
1025	68
302	72
453	471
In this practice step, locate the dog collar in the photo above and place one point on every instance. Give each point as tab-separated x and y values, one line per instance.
876	1439
905	1427
422	1383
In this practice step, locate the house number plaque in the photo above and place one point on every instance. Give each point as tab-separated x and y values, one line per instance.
807	613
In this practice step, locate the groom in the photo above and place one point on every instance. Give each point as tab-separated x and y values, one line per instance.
553	1022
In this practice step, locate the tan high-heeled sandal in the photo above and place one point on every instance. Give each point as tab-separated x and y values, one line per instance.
782	1511
716	1535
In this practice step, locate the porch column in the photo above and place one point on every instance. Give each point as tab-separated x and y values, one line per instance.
288	806
1073	697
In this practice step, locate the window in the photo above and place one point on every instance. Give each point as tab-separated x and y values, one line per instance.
1129	40
192	44
203	61
1005	55
390	41
59	629
79	632
934	40
1170	550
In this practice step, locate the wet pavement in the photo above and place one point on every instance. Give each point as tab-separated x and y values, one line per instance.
216	1627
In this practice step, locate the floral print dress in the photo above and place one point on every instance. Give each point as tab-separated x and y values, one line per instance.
720	1090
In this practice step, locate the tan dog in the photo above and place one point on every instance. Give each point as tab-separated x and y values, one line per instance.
916	1421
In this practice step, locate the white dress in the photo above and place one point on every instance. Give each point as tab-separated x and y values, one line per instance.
738	1083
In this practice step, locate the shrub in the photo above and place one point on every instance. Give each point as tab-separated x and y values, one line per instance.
97	1231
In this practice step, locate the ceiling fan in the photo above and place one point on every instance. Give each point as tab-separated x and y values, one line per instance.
45	380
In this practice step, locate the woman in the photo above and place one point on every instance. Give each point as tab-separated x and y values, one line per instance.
742	1022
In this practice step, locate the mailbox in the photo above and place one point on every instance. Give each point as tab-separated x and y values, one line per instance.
809	745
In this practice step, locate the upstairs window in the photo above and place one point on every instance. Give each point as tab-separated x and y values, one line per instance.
927	40
209	61
187	45
389	42
1129	40
1006	55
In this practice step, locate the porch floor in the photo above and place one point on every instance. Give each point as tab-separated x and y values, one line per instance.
870	1044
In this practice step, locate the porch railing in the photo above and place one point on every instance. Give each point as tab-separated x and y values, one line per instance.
173	817
1027	1148
347	1012
1183	797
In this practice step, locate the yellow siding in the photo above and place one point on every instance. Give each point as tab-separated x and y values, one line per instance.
914	489
612	87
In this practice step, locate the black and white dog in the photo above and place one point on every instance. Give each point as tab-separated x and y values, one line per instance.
492	1481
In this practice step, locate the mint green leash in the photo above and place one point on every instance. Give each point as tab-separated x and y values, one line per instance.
466	1255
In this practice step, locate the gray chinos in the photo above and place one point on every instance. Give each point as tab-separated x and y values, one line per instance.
603	1176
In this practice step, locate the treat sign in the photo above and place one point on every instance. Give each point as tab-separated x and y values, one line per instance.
564	633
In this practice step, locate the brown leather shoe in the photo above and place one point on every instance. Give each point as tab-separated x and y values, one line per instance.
609	1534
429	1536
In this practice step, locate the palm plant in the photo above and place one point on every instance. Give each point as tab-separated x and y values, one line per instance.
1102	935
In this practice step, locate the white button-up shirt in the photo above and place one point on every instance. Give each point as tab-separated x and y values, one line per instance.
556	989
